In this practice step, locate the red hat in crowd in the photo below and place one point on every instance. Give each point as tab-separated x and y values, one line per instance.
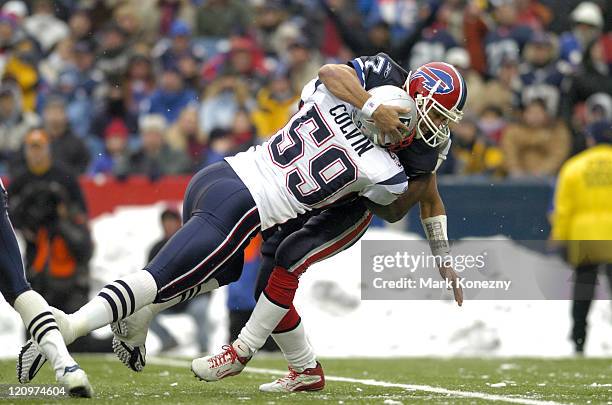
116	128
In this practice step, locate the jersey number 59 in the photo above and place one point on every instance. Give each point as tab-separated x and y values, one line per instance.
330	169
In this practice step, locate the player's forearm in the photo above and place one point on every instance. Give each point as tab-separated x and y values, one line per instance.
342	82
400	207
432	208
433	219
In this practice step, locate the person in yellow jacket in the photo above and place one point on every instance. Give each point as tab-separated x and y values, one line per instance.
276	103
582	221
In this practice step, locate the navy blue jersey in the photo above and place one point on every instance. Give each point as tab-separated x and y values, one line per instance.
378	70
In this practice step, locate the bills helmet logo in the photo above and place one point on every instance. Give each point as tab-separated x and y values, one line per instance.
450	90
431	76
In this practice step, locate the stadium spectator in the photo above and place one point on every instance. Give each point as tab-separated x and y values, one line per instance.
89	78
276	102
155	158
471	153
48	208
14	124
80	24
508	37
244	60
434	42
379	36
505	86
271	22
594	76
171	96
177	47
112	57
536	146
582	222
533	14
492	124
587	22
113	104
238	138
45	26
222	99
67	148
186	136
303	62
139	83
59	60
221	18
18	57
540	74
15	8
114	155
197	307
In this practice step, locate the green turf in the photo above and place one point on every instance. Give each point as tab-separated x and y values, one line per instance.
563	381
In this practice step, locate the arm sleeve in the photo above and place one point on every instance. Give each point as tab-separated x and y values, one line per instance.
385	192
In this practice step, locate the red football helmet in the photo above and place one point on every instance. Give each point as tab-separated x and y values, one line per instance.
440	93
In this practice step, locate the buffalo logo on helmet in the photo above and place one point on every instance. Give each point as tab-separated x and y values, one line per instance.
431	76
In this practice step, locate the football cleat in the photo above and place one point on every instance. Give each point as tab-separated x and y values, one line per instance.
225	364
129	338
29	362
31	358
75	380
311	379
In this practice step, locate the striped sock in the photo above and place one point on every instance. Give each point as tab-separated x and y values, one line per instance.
208	286
42	326
116	301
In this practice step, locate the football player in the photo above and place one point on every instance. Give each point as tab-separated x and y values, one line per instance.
318	159
35	312
440	93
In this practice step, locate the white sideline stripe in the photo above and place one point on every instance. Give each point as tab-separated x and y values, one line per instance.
161	361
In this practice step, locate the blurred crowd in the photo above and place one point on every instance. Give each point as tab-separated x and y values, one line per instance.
165	87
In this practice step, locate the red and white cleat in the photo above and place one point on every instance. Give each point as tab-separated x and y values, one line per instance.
311	379
224	364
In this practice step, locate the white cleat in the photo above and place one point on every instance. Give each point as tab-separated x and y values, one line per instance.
225	364
75	380
311	379
31	358
130	335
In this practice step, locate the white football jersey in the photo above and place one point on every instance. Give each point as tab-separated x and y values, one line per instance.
318	158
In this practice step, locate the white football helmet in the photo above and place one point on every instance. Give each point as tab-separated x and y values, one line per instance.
389	95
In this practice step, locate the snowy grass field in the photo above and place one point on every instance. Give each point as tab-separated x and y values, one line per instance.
353	381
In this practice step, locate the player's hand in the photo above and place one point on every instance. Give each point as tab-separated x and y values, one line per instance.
451	276
386	118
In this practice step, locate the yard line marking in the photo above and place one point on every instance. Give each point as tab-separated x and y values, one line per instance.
161	361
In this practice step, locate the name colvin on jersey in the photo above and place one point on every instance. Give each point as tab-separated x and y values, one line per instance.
361	143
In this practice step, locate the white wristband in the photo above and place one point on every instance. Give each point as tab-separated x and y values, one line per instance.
370	106
435	230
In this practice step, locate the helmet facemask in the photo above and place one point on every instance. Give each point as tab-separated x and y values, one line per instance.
427	106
